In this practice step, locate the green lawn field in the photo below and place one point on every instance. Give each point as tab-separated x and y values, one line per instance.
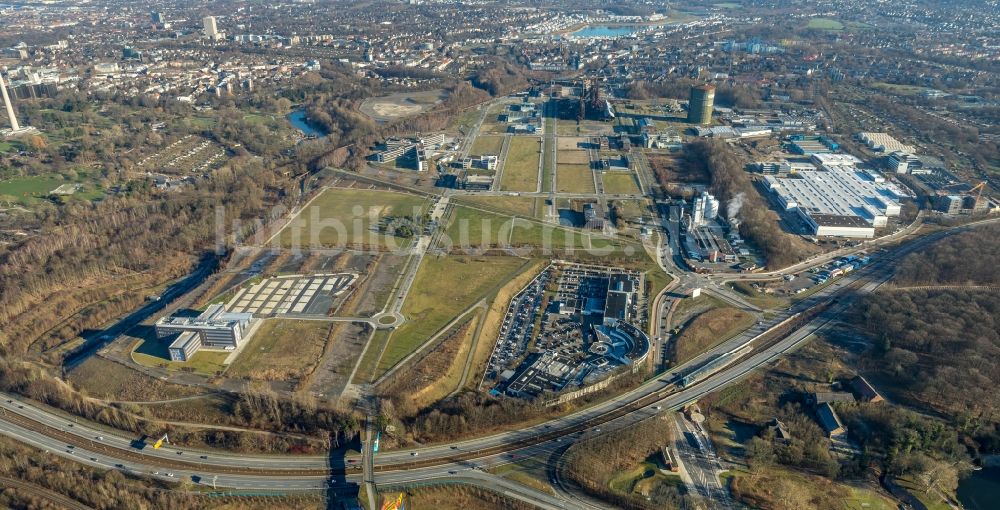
574	179
350	217
486	145
443	288
520	170
620	183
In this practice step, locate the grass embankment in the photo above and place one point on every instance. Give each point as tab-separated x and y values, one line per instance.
494	319
438	371
709	329
443	288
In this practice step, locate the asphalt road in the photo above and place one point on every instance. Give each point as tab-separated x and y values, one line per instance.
394	463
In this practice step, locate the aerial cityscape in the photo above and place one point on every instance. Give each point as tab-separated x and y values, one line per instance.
552	255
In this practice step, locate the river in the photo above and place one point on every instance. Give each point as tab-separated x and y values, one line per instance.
981	490
298	120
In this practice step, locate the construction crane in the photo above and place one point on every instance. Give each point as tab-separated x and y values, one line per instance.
159	442
978	191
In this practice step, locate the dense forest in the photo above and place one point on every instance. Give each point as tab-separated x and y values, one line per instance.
939	349
967	257
592	462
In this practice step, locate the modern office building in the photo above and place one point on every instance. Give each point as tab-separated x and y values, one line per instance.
214	328
184	347
157	17
700	104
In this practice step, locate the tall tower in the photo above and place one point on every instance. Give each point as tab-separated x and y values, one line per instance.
210	28
700	104
10	106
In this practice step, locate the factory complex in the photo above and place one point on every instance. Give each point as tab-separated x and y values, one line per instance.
835	197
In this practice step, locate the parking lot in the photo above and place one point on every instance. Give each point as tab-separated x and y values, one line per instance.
292	295
518	325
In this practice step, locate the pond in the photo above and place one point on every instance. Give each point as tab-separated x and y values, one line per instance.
605	31
981	490
298	120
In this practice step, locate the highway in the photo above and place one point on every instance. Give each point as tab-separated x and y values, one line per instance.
461	461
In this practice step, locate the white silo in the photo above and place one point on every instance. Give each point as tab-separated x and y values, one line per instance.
711	207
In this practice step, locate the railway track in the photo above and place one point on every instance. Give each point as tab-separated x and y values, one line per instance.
880	270
761	342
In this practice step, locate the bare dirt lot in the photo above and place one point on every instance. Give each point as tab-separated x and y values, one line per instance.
391	107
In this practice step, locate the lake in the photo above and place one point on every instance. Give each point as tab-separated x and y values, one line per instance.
298	120
981	490
605	31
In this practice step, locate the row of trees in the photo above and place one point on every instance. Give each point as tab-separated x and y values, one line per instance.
731	184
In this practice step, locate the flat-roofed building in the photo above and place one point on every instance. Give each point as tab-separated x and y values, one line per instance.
837	199
184	346
215	327
883	142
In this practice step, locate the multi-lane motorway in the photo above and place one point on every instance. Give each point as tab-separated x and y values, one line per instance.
464	461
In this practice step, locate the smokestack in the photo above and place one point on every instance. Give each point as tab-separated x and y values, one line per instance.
10	106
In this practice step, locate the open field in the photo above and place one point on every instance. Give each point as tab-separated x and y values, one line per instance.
350	217
520	170
569	143
282	350
620	183
104	379
473	228
825	24
631	208
443	288
515	206
574	179
707	330
153	353
28	190
402	104
28	187
573	157
486	145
